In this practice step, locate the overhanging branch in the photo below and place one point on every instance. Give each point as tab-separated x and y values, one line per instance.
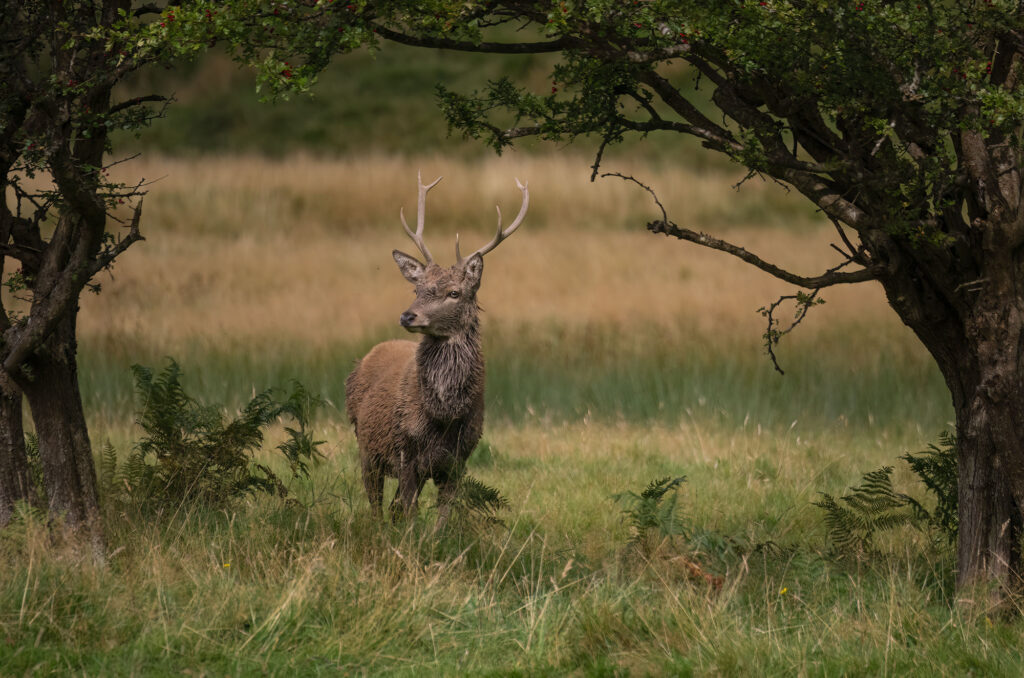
135	102
466	46
811	283
827	279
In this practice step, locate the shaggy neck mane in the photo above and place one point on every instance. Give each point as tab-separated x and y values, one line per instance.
450	373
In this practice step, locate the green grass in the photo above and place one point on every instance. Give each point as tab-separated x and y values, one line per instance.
558	374
575	414
320	589
316	587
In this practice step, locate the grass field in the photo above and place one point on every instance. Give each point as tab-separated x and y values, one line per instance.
614	358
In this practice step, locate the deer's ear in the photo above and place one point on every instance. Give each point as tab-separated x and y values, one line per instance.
474	268
410	267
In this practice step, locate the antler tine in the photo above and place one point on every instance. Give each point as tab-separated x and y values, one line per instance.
501	234
421	207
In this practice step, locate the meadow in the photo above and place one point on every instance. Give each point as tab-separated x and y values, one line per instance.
615	358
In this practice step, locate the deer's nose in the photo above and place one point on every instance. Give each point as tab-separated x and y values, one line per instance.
407	318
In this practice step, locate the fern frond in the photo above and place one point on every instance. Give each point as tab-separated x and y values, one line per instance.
35	465
937	468
108	471
650	512
300	446
477	504
874	505
481	497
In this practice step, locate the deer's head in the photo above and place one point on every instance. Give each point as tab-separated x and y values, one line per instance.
445	302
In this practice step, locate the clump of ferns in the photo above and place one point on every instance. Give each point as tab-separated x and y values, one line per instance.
477	507
192	453
660	539
654	515
856	517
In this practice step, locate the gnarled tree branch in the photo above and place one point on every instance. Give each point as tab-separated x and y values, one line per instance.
107	257
809	282
467	46
827	279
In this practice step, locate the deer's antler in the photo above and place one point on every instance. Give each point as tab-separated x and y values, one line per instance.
501	235
421	206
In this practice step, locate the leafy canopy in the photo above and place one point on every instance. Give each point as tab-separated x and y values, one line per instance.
872	93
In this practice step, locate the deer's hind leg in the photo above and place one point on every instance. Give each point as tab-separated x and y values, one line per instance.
410	484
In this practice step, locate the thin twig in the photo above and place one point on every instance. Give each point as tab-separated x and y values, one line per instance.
772	336
664	214
597	160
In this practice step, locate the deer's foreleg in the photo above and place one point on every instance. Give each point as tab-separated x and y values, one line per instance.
446	490
373	481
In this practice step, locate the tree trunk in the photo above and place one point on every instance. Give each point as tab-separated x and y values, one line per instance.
69	475
990	432
988	549
974	328
15	484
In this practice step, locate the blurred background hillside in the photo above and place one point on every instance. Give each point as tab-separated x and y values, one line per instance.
380	101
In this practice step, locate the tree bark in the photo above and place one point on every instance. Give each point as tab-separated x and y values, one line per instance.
989	407
50	383
971	320
989	506
15	483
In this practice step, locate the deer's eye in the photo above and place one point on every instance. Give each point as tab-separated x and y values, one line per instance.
454	294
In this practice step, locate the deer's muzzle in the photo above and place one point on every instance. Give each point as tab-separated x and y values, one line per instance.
412	322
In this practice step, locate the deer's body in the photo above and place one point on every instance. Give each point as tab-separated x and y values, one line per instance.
418	408
415	416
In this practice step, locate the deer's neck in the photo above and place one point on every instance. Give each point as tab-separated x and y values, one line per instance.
451	374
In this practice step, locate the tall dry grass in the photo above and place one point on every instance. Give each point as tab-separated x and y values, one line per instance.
247	249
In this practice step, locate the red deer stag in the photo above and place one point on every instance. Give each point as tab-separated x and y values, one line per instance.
418	408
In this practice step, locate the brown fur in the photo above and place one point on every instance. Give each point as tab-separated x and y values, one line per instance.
418	409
